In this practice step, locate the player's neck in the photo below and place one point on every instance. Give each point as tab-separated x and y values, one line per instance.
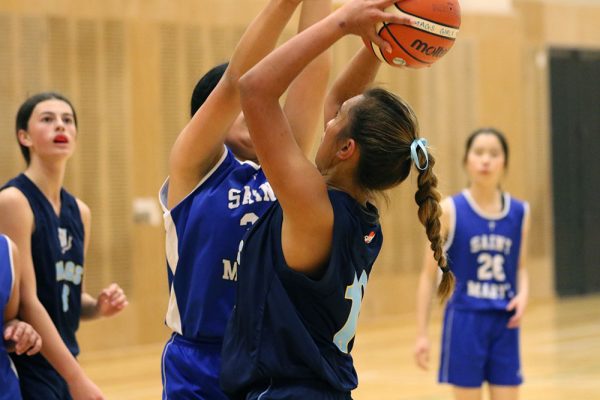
48	177
487	198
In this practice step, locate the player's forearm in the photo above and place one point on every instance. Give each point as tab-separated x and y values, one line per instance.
53	347
304	102
260	38
424	295
358	75
89	307
523	283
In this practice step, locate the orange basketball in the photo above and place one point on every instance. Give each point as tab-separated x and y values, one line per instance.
424	42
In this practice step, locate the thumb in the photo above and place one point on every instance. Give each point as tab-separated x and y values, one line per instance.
512	304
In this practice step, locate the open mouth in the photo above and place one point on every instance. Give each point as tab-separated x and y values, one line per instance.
61	139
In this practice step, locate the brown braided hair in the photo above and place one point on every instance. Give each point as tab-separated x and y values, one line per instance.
428	198
384	126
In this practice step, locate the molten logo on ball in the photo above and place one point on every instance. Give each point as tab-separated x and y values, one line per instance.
427	49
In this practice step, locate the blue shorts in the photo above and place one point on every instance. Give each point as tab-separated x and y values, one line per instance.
295	389
39	380
477	346
9	383
190	370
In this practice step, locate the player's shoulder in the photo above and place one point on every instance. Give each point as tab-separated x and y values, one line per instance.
13	200
84	210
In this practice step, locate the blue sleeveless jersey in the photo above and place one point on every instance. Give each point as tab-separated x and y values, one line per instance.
483	252
203	234
288	326
57	254
9	382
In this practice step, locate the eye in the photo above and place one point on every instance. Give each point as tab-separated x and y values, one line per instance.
46	118
68	120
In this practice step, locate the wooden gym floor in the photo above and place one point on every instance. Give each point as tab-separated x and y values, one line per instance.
560	350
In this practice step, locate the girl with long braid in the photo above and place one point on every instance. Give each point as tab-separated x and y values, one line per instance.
304	265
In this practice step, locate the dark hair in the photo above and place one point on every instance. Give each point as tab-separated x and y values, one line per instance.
384	128
487	131
25	111
205	86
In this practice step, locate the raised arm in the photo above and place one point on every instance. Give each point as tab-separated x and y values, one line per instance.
200	144
304	101
426	287
298	185
18	223
357	77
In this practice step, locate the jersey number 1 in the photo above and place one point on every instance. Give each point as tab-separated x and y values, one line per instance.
354	293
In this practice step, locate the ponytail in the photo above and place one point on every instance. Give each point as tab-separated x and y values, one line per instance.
428	198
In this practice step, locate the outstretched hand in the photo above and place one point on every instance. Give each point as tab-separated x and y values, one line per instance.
111	301
22	338
361	16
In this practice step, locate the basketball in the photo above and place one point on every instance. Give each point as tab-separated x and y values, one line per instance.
429	38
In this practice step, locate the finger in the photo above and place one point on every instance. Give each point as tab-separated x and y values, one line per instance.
117	295
27	339
381	4
17	332
8	332
511	305
36	347
378	40
400	19
119	301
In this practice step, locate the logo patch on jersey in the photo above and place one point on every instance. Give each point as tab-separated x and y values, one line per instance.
369	238
66	240
492	225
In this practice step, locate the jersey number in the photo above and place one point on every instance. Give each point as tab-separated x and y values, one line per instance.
65	297
491	267
354	293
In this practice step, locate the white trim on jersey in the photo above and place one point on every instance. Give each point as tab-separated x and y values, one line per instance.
486	215
173	318
250	163
12	265
451	225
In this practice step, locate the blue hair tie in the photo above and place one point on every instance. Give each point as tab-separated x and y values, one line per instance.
419	144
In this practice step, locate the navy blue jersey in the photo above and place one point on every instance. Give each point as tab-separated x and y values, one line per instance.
57	254
288	326
203	234
9	383
483	252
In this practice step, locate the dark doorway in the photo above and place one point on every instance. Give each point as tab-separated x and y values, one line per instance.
575	118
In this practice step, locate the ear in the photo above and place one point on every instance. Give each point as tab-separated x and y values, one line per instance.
347	150
23	137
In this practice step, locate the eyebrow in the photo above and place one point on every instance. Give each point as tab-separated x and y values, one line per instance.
53	113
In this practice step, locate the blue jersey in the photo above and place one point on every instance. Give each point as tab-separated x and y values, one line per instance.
288	326
57	254
203	234
483	252
8	376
